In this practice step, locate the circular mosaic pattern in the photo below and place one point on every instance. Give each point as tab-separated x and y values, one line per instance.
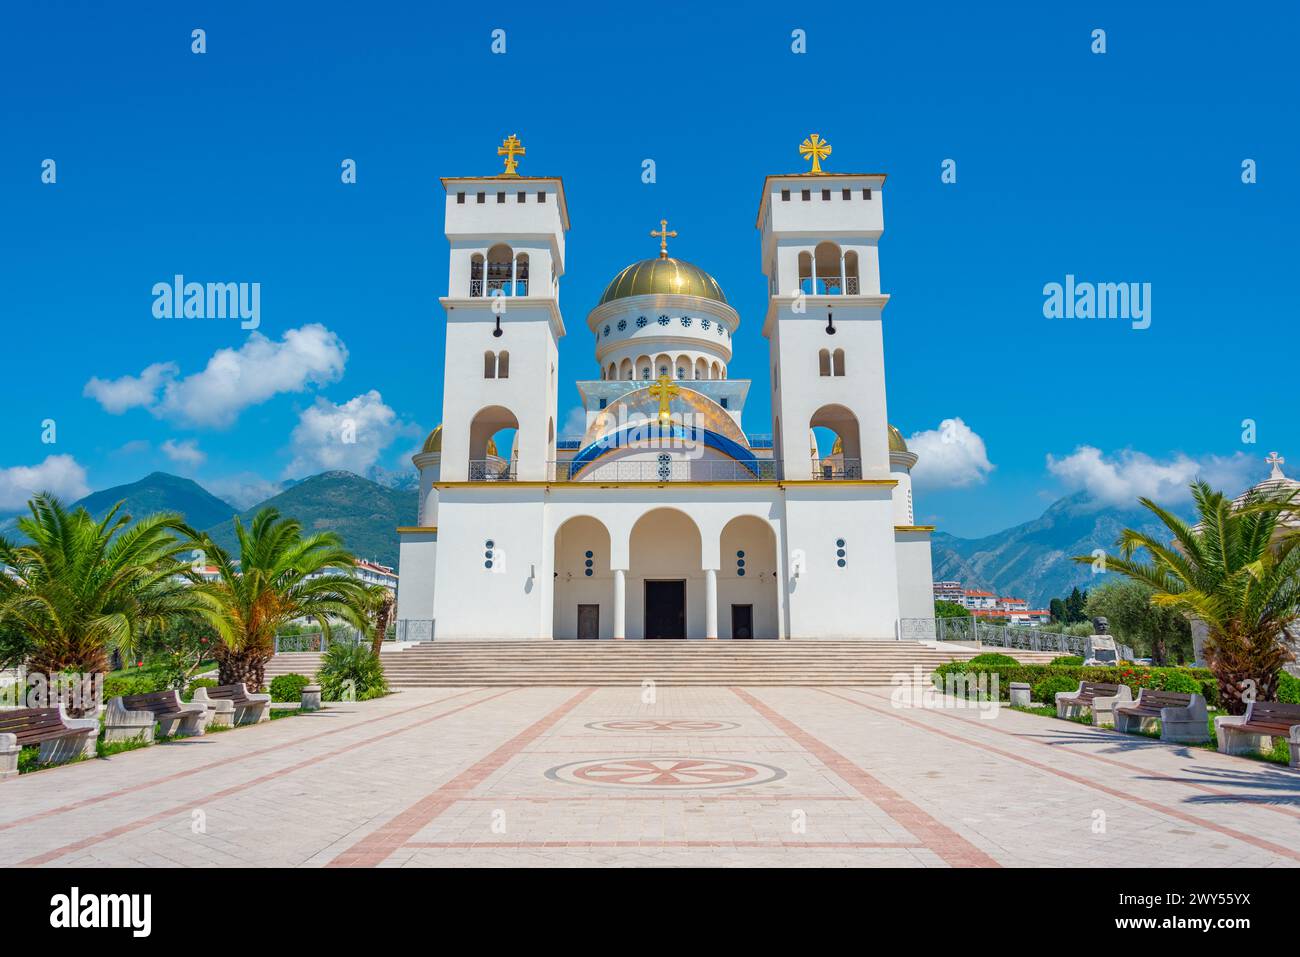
662	724
660	773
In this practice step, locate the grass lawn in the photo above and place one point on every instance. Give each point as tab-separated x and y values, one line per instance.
1281	753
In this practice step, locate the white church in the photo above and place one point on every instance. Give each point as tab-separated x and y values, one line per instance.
666	519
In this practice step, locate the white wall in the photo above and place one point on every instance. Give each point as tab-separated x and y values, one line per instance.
915	575
417	562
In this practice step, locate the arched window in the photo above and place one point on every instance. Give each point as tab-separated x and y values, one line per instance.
663	366
646	366
624	370
829	263
489	365
521	274
824	362
715	371
701	369
806	274
476	275
683	367
503	365
500	266
851	284
837	362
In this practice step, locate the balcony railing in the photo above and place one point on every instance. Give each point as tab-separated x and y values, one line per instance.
838	471
493	470
679	470
498	287
829	286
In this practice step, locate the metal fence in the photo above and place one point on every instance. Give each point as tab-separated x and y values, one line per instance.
414	629
972	630
318	641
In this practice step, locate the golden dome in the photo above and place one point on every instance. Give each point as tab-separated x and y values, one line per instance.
434	443
896	443
669	275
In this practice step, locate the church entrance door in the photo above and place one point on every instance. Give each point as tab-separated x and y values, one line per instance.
589	622
665	609
742	621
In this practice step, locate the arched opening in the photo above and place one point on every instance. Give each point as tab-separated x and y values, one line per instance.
836	448
663	365
521	274
701	369
837	362
476	274
824	362
583	600
715	371
492	429
683	367
624	370
489	365
748	580
829	263
646	366
500	265
806	273
851	283
503	365
550	448
665	586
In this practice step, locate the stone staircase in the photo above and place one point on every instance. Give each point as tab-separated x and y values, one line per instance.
668	663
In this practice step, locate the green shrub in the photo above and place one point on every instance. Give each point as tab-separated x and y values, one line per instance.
351	672
1135	677
288	687
1288	688
992	658
188	693
1068	661
146	682
1045	691
1168	679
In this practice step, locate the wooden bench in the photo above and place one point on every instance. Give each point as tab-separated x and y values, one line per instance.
132	717
1097	697
232	704
60	737
1183	717
1256	729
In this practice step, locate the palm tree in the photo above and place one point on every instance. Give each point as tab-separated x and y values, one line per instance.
1232	572
280	576
79	589
382	604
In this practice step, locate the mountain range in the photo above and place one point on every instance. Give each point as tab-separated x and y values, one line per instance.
1030	560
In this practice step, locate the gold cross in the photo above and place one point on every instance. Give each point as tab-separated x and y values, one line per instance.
663	232
664	392
816	149
511	147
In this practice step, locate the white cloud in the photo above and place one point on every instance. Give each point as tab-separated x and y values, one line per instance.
575	423
185	452
232	381
350	436
1122	478
128	392
951	456
60	475
243	490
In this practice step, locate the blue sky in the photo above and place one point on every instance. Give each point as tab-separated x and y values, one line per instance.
1117	167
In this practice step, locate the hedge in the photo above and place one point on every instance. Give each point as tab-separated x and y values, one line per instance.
1288	688
1163	679
288	687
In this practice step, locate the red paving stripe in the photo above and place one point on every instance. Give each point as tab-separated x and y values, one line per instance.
492	845
186	808
702	798
222	762
376	847
950	846
1247	799
1156	806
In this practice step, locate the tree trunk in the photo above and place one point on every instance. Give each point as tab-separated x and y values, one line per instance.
382	617
248	667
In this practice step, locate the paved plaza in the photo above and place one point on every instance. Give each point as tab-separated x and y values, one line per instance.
702	776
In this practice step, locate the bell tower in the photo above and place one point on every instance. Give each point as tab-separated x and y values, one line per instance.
503	322
820	235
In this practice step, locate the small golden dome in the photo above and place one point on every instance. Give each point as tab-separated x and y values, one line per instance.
896	443
668	275
434	443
